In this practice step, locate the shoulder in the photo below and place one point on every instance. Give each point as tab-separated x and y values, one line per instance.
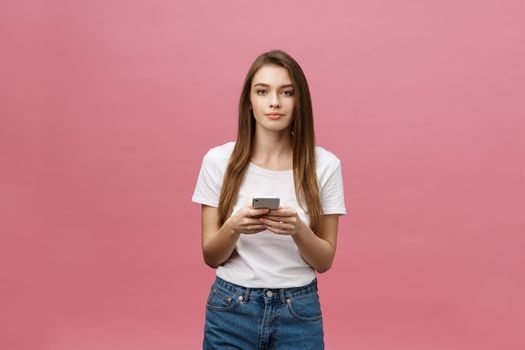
220	151
325	159
327	165
219	155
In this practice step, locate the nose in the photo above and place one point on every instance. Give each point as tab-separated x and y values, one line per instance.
274	102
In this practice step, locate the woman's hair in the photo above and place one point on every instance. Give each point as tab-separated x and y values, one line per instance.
302	134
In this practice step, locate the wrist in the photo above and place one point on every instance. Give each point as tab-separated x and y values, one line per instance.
230	229
302	229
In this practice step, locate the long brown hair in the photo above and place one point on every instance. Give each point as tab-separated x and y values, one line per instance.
303	141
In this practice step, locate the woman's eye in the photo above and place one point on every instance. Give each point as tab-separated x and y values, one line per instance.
286	92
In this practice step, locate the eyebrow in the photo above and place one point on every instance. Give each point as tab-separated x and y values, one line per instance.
282	86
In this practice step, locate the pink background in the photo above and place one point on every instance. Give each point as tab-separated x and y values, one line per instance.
107	108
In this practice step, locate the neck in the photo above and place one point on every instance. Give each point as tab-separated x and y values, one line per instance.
272	146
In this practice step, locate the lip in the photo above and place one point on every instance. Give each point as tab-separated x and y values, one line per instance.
274	116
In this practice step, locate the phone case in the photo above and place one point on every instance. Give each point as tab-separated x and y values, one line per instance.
265	202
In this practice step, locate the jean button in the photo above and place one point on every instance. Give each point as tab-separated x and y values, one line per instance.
269	294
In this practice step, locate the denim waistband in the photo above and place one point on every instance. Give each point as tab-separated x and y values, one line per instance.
282	294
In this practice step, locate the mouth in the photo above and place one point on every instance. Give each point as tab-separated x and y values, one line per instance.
274	116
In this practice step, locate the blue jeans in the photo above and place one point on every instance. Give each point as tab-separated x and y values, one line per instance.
263	318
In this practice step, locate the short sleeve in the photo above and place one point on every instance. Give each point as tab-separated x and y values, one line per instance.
208	188
332	192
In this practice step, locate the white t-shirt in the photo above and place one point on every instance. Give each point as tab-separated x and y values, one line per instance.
266	259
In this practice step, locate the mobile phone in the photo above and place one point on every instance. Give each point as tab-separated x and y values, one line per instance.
265	203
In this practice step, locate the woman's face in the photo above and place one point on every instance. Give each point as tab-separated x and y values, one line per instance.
272	98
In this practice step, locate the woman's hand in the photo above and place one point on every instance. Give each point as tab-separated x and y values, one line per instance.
283	221
246	220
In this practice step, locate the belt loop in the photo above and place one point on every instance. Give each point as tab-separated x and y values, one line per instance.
246	295
282	293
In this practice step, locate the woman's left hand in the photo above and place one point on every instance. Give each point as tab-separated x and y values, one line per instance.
283	221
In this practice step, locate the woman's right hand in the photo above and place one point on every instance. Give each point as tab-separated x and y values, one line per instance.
246	220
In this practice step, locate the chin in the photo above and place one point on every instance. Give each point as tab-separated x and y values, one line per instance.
275	125
274	129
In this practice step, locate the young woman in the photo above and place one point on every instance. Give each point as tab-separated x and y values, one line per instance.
265	292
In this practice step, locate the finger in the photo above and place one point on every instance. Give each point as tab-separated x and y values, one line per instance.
252	221
256	228
256	212
282	212
253	229
278	231
285	227
277	218
277	224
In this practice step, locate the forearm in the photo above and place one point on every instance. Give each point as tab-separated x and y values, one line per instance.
218	247
317	252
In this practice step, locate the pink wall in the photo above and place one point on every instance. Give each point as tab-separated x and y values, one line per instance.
108	107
